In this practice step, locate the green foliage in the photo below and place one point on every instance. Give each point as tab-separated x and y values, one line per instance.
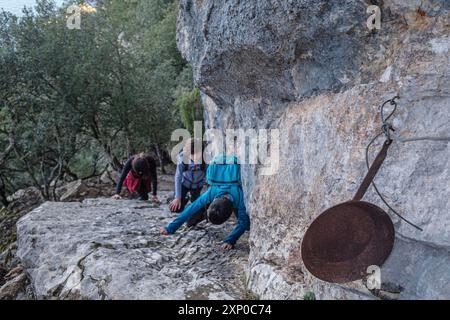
190	107
309	296
88	162
77	100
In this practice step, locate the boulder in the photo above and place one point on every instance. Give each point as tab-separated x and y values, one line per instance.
106	249
82	189
103	186
24	200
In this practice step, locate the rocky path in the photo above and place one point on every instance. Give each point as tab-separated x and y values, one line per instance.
105	249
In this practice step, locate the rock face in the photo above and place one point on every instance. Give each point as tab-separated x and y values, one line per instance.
105	249
313	70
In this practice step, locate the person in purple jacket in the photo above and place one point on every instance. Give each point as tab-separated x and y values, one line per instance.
189	179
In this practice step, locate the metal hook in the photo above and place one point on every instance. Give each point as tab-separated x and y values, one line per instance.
386	127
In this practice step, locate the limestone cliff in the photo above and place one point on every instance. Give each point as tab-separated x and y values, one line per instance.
314	70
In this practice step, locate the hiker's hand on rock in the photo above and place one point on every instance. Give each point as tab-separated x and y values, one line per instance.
175	205
156	200
163	231
227	246
116	197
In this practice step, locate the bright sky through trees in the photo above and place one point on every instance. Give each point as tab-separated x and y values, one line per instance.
15	6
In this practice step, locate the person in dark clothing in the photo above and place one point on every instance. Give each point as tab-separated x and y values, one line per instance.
139	176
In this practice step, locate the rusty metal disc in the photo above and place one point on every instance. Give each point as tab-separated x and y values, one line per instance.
345	240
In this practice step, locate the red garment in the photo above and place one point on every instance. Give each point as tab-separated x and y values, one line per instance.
133	183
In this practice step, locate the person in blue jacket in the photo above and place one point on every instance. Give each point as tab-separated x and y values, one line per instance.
224	196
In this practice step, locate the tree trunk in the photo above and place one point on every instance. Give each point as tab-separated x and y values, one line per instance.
160	159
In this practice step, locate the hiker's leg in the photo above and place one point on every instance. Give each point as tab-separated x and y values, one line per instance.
143	192
195	194
199	216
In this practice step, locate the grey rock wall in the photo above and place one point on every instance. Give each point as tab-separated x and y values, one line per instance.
313	70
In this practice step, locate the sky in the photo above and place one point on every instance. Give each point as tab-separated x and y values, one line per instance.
15	6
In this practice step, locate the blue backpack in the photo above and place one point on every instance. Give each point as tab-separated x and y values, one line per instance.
224	170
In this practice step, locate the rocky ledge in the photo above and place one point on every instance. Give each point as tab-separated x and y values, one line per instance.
105	249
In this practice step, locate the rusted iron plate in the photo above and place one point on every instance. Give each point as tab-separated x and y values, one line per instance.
345	240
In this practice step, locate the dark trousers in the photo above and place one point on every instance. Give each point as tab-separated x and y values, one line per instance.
141	193
194	195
